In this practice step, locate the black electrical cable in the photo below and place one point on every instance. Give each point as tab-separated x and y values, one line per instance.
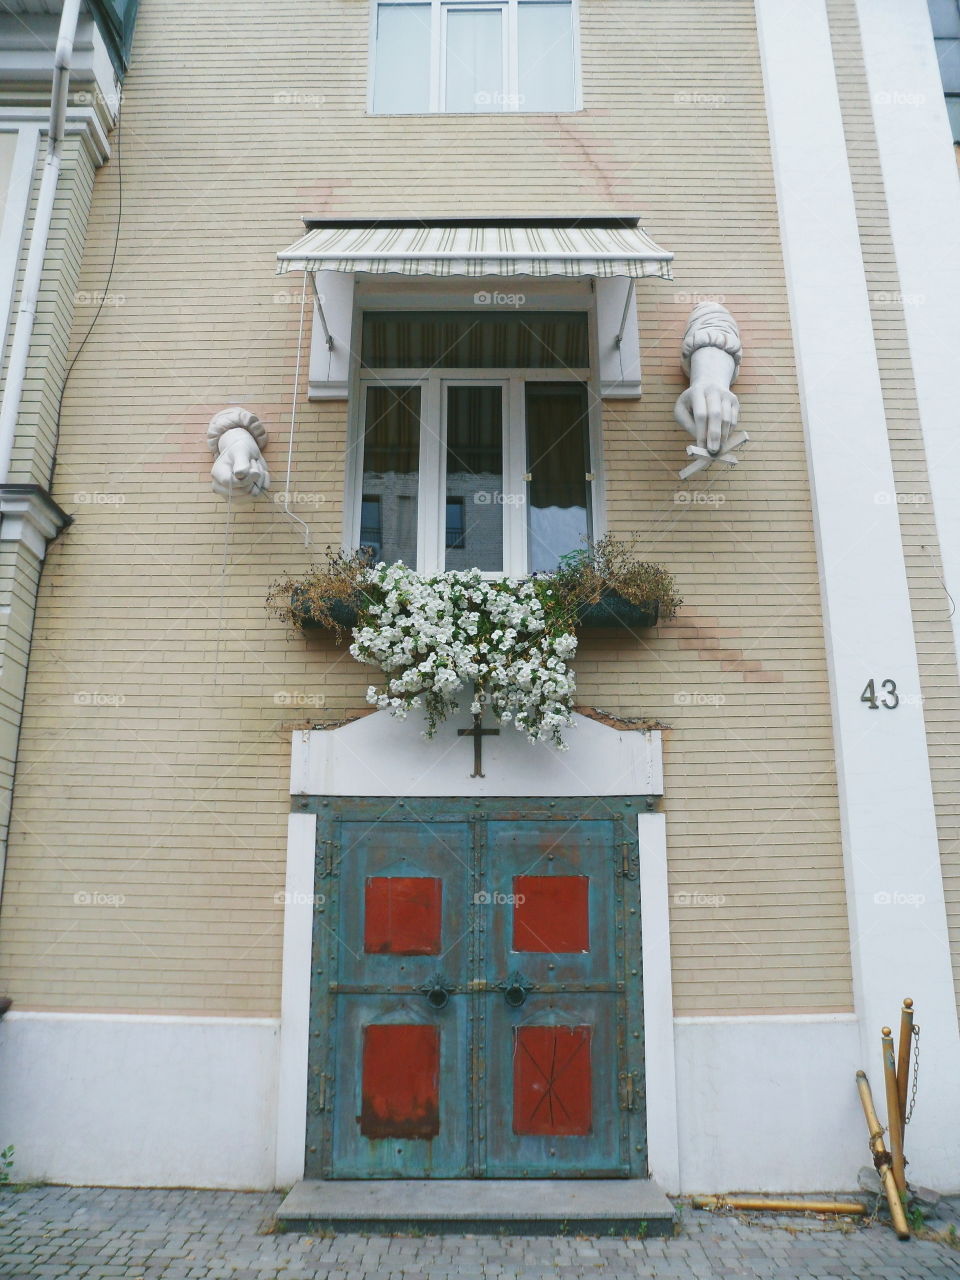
103	296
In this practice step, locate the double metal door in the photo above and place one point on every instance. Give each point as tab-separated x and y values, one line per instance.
476	993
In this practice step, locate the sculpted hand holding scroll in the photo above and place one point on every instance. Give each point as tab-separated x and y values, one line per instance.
708	410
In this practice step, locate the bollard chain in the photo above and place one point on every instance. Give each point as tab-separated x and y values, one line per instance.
916	1072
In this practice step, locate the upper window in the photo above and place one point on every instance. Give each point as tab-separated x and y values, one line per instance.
474	55
945	16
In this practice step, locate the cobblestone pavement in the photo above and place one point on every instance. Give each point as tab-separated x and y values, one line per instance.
70	1233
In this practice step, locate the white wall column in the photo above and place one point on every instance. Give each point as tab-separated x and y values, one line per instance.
898	927
915	145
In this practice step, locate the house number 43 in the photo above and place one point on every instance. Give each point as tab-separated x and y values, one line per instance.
889	699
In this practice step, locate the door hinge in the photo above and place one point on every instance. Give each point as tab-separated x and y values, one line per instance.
319	1100
629	1091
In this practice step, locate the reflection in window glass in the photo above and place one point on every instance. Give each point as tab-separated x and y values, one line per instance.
474	60
475	476
466	340
402	82
545	55
391	466
558	453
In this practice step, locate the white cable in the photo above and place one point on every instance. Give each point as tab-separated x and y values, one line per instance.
223	581
293	419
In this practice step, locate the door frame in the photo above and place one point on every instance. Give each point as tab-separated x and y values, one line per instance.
376	755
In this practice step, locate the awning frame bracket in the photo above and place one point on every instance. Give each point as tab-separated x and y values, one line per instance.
631	294
328	336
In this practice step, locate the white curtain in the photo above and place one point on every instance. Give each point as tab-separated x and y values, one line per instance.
402	81
474	60
545	54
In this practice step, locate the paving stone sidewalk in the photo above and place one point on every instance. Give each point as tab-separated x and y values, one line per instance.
71	1233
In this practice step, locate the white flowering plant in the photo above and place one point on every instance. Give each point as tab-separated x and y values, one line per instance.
503	645
499	642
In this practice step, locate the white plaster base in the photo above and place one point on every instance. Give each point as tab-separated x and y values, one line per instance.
139	1101
770	1104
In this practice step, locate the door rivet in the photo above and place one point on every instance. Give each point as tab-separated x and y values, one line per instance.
634	972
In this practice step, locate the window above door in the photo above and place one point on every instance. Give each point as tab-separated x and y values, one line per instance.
473	56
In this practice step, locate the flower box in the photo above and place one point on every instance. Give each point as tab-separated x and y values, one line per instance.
613	610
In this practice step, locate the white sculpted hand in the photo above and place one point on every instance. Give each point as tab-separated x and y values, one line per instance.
239	467
708	410
236	436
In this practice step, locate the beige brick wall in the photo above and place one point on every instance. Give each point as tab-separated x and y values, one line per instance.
931	606
154	756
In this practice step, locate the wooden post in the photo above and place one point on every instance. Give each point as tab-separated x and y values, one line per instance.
882	1158
903	1061
894	1125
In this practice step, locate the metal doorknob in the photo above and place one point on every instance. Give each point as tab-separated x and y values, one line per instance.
437	991
515	989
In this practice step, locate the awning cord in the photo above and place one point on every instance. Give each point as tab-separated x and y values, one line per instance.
293	419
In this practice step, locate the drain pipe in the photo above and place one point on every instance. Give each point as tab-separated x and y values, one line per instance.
33	272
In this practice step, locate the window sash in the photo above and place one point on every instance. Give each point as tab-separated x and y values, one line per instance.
432	484
511	85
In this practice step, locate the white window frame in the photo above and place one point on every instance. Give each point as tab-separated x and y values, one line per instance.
511	62
432	486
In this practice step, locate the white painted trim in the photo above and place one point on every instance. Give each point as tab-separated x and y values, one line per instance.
14	223
915	146
379	755
898	926
663	1133
295	998
133	1100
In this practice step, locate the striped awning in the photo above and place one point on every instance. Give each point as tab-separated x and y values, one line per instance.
613	246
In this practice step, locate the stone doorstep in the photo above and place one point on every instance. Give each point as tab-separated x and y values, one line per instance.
599	1207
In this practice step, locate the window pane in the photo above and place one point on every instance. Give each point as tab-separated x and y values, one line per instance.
953	111
474	60
391	470
945	15
475	477
402	59
948	55
545	54
472	340
558	453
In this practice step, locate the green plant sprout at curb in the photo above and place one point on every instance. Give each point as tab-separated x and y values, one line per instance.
6	1164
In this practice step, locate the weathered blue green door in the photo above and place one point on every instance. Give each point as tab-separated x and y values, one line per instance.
476	994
